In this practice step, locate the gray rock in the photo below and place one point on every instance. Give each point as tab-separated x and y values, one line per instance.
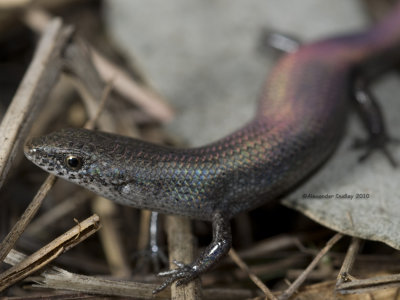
202	56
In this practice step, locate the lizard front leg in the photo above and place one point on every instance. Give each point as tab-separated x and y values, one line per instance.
220	245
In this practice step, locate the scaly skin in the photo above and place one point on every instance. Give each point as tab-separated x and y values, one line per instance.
299	123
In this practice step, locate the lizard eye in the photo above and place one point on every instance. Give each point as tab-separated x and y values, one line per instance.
73	162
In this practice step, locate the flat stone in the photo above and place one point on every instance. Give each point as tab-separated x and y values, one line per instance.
203	56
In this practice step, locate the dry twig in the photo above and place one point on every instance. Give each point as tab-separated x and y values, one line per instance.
356	286
348	262
235	257
111	238
9	241
347	284
296	284
56	213
151	102
180	247
41	76
51	251
57	278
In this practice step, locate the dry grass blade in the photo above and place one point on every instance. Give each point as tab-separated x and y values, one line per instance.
257	281
368	285
147	99
348	262
49	252
347	284
56	213
144	232
57	278
296	284
111	239
69	281
9	241
90	124
42	74
273	244
151	102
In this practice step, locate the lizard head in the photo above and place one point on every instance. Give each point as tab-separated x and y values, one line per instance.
92	159
68	153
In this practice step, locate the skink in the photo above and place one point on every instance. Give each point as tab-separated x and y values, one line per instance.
299	122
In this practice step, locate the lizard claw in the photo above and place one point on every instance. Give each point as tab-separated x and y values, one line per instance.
183	275
376	143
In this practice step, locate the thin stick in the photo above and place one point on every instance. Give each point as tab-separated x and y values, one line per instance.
257	281
296	284
9	241
90	124
111	238
143	96
56	213
51	251
348	261
148	100
273	244
58	278
144	232
347	284
180	247
367	285
41	76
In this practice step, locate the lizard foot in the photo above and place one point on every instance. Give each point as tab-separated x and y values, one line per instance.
183	275
219	247
376	143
